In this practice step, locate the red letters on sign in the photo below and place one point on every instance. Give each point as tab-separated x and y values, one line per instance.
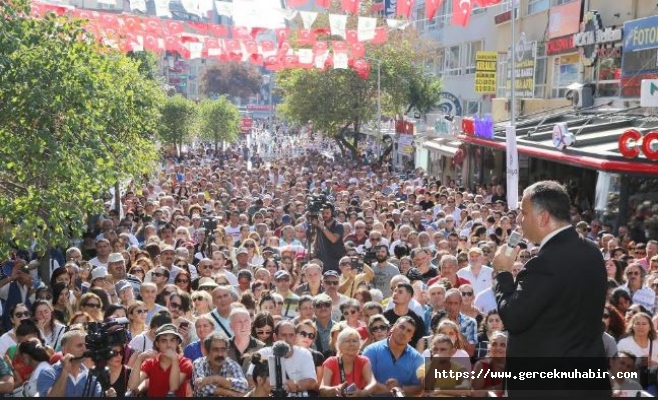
634	136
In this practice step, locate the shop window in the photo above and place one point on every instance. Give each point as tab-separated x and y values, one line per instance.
608	74
471	48
453	61
566	70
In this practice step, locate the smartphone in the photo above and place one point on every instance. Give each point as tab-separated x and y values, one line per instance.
184	324
514	239
351	388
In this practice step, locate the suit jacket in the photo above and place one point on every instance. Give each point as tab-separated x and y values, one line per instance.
553	314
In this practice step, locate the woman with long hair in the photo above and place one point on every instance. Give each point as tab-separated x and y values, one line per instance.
137	318
459	355
260	377
17	314
347	368
615	270
62	306
306	332
51	329
204	326
92	304
490	324
642	342
263	327
35	355
468	298
201	302
119	373
183	281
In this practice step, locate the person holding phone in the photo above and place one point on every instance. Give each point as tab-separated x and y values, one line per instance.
348	374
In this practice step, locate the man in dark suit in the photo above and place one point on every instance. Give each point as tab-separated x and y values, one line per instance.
554	308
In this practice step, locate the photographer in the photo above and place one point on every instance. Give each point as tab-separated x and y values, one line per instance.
329	239
353	272
69	376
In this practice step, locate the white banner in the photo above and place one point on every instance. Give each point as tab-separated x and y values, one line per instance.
338	24
139	5
366	28
308	18
512	163
340	60
162	8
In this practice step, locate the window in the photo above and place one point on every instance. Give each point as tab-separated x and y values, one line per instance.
421	21
439	64
444	15
540	71
453	61
535	6
566	70
608	73
471	107
470	50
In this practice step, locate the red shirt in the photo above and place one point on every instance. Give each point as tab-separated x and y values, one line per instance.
356	376
460	281
159	378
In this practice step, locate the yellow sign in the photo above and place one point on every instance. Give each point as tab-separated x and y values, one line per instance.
486	63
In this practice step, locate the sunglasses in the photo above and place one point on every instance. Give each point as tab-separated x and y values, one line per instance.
182	281
197	298
323	305
631	273
138	271
379	328
263	332
140	311
175	306
250	246
205	266
24	314
467	294
331	283
92	305
157	274
349	312
309	335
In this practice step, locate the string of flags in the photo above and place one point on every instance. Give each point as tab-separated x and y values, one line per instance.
241	42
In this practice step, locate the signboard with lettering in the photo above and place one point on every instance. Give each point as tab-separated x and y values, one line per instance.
526	57
592	37
564	20
246	124
486	63
640	55
560	45
631	143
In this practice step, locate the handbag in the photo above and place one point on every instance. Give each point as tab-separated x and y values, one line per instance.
648	374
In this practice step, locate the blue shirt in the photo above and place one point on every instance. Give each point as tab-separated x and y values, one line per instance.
193	350
48	377
385	367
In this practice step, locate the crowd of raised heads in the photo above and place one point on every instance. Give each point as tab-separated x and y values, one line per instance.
345	274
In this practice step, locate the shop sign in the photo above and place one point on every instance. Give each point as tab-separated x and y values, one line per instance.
486	63
560	45
592	37
526	56
632	143
641	34
449	104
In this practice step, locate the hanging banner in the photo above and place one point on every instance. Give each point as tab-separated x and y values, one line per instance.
524	65
486	63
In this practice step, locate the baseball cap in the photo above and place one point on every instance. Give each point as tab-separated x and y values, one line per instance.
98	272
207	282
241	250
115	257
281	274
330	273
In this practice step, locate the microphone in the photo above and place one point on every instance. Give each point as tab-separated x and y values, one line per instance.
514	239
280	349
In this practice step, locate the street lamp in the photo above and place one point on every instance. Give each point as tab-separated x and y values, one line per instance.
379	100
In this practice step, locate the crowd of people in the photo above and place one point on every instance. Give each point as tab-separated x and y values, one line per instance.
365	279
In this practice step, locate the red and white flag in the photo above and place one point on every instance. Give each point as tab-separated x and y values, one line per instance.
404	8
461	12
350	6
431	6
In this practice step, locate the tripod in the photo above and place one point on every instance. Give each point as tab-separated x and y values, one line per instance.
100	374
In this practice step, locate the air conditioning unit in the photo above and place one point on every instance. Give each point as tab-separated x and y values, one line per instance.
581	96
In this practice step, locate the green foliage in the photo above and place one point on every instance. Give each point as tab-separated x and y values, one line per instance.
218	120
230	78
178	121
335	99
74	118
148	64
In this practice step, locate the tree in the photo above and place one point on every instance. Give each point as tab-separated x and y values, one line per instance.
338	102
178	121
219	120
74	118
231	78
148	64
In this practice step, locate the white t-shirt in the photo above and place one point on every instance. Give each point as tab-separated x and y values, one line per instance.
141	343
483	280
630	345
299	366
486	301
6	341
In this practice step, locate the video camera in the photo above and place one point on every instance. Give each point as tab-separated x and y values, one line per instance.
315	203
101	336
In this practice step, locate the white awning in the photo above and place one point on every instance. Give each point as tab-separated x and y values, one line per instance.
445	147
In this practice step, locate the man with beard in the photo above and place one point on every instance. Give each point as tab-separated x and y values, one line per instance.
384	271
329	238
216	374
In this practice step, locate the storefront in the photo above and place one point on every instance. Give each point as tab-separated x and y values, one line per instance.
564	59
640	55
607	152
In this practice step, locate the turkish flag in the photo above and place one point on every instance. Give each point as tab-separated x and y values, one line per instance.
78	13
256	59
381	35
487	3
323	3
431	6
362	68
172	43
357	50
109	21
352	36
339	46
283	50
151	42
218	30
291	61
404	8
200	27
461	12
233	46
321	31
250	46
211	43
153	25
267	46
272	63
305	37
350	6
174	27
132	23
319	48
256	31
241	32
282	34
296	3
